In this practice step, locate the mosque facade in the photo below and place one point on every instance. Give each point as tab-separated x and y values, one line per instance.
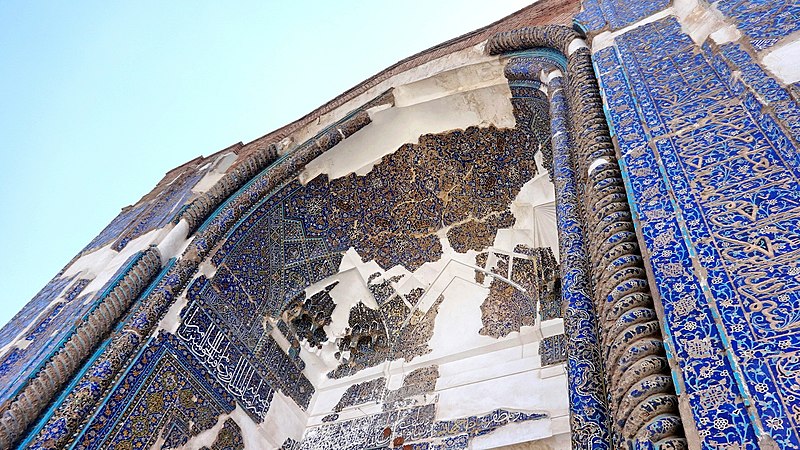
576	227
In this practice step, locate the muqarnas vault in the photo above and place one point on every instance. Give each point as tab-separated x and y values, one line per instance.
576	227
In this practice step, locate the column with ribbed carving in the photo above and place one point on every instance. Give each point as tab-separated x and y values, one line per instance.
640	395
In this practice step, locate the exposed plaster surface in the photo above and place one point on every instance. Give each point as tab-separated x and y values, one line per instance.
784	60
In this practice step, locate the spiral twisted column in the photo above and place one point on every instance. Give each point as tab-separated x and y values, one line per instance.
212	216
17	414
638	391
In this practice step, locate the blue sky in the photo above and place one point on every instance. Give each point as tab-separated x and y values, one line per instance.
99	99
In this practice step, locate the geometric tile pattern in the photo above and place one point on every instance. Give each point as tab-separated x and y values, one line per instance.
166	394
713	180
251	369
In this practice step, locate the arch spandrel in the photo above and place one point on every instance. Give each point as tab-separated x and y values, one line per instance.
389	246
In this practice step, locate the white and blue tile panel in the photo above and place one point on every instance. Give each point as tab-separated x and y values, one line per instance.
712	180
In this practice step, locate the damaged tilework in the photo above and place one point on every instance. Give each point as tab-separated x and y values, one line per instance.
413	341
480	261
117	227
616	14
394	312
229	437
365	343
33	308
358	394
714	182
251	370
290	444
508	309
369	342
57	322
166	394
548	280
764	22
414	427
302	231
417	383
330	418
294	344
272	257
381	290
505	309
478	234
553	349
161	209
740	71
309	316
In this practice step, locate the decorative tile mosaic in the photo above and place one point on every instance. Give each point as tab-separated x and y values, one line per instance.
548	284
480	261
330	418
409	428
358	394
418	382
478	234
764	22
56	323
160	210
373	336
309	316
553	349
434	184
290	444
381	290
413	341
616	14
251	371
33	308
165	393
229	437
507	308
589	415
365	343
294	344
117	227
231	364
739	70
713	182
395	312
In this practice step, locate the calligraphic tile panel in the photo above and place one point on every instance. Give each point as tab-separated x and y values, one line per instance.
764	22
164	394
714	185
704	375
